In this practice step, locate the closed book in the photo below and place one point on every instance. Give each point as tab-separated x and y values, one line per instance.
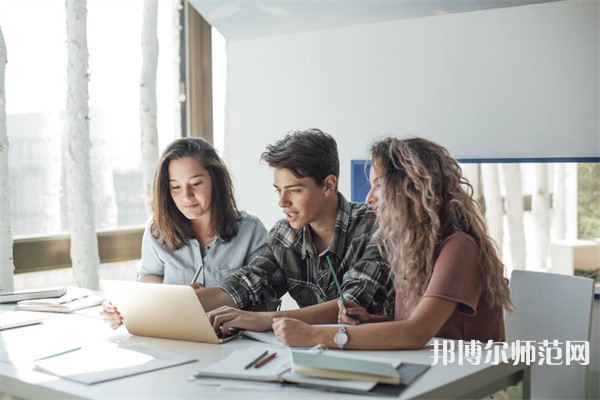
31	294
343	367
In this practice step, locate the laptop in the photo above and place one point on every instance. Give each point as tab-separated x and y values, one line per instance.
161	311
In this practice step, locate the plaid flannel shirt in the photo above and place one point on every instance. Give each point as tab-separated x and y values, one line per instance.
289	263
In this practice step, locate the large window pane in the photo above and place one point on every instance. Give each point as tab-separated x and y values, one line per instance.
36	99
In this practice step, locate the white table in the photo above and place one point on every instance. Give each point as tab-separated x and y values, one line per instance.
21	381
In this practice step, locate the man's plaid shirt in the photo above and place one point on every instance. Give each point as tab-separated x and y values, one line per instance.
289	263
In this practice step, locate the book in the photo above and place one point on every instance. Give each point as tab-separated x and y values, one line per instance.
345	367
15	319
29	294
75	299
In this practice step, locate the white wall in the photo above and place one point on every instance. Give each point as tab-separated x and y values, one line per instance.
512	82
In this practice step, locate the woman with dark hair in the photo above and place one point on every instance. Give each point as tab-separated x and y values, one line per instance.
196	234
448	277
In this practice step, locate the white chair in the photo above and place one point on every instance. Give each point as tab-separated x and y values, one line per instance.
552	307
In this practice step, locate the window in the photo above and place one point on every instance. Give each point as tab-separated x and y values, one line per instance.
36	100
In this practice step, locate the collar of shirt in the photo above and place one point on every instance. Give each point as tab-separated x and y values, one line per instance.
338	241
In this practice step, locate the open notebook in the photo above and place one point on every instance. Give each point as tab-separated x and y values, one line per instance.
161	310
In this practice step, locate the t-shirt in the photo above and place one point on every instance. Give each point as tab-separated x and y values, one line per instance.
457	276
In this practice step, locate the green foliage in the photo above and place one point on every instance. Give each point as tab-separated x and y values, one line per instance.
589	200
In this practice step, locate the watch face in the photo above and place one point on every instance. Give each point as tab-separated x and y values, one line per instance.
341	338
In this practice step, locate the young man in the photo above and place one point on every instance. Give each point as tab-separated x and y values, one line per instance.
319	223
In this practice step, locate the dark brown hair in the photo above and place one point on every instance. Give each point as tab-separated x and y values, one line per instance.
169	223
311	153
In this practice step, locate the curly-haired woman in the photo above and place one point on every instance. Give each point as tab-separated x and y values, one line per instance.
448	277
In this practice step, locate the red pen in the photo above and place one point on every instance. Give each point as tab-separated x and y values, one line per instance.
265	360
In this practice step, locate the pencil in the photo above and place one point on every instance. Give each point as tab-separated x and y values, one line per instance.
265	360
197	274
251	363
337	283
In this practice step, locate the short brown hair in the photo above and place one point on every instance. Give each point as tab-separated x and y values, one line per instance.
311	153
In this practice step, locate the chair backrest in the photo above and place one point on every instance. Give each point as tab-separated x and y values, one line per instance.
552	307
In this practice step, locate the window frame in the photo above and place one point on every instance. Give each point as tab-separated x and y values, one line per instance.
34	253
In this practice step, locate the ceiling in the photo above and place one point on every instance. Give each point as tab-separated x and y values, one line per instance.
237	20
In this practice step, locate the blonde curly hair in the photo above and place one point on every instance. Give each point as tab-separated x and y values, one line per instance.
423	199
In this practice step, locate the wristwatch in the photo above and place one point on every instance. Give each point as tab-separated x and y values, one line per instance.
341	338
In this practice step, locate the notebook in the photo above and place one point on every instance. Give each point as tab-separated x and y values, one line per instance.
162	311
18	295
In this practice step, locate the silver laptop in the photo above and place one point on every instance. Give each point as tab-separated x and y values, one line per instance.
161	310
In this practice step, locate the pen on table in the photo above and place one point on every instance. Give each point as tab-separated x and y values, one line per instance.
337	283
265	360
197	274
256	359
72	299
59	354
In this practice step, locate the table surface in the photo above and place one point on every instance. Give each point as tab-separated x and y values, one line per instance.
19	379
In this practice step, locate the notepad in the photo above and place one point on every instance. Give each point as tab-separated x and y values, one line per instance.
233	366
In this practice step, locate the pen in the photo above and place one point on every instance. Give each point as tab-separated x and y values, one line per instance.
337	283
59	354
256	359
265	360
197	274
72	299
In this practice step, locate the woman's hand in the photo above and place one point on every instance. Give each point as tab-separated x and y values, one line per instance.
354	315
225	319
111	315
295	333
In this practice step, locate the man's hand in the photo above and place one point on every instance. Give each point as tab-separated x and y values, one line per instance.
225	319
294	333
111	315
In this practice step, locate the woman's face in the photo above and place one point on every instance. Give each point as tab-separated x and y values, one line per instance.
375	192
191	187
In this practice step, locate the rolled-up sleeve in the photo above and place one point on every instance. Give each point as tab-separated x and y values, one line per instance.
368	281
260	281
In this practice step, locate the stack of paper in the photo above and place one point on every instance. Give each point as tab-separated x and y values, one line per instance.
75	299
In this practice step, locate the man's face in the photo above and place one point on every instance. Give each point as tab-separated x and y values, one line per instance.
301	199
